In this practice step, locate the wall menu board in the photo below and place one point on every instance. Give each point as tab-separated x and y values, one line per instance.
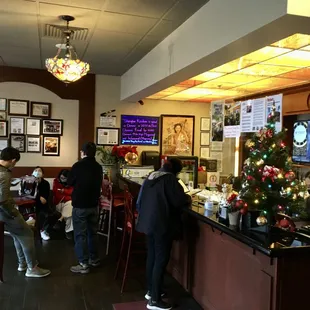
139	130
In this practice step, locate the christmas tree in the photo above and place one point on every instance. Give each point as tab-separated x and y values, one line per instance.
268	182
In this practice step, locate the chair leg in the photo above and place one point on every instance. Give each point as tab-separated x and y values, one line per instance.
109	231
120	254
127	262
1	251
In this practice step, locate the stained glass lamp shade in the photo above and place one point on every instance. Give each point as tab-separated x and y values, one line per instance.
69	68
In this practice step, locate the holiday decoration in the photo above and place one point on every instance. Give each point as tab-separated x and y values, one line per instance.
268	183
261	221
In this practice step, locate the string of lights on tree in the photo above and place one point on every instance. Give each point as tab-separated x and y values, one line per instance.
268	182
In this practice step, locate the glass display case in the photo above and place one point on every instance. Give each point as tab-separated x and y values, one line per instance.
189	173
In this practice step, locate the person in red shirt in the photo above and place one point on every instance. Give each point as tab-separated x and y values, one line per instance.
62	199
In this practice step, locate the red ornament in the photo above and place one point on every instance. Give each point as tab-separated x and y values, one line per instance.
284	223
290	175
243	211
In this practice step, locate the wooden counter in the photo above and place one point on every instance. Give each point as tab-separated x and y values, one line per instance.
225	269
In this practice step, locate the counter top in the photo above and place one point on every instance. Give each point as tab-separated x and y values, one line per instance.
276	243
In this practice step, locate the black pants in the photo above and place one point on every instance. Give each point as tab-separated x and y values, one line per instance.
158	255
42	214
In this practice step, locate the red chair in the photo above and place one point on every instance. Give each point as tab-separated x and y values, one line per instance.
1	250
130	236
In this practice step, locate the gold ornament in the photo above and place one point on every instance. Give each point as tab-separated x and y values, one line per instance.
249	143
261	221
131	158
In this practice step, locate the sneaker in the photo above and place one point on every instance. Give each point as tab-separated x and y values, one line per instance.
22	267
31	221
148	295
159	305
37	272
45	236
94	263
80	268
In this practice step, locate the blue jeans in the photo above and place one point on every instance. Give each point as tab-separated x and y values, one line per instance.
85	226
23	237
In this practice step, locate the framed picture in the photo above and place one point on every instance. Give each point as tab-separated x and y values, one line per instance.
17	125
33	144
204	152
3	105
177	135
3	129
18	107
33	126
52	127
51	146
3	116
107	136
18	142
205	138
40	109
205	123
3	144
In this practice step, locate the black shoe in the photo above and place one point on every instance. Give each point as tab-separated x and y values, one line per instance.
69	235
148	295
159	305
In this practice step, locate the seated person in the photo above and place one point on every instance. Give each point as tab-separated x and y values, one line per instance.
42	208
62	199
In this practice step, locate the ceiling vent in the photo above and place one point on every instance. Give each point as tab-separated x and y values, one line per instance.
56	32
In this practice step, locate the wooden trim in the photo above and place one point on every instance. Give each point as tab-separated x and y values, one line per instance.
49	172
82	90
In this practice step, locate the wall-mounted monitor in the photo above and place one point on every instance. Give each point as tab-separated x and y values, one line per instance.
139	130
301	142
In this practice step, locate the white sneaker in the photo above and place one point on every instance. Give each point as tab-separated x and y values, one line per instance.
22	267
37	272
31	221
45	236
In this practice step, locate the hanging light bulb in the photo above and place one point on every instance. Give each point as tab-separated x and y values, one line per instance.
70	68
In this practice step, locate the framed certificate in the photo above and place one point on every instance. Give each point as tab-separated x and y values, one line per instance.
205	123
18	107
17	125
205	138
33	126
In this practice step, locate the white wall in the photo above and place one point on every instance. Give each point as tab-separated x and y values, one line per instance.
68	110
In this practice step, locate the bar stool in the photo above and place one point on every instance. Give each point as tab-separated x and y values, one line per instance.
130	237
105	207
1	250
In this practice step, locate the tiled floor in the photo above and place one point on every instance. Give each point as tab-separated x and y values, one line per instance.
66	291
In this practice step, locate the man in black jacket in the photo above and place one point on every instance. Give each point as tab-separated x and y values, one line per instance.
86	179
160	203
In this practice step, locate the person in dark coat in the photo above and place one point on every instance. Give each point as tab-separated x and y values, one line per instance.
160	204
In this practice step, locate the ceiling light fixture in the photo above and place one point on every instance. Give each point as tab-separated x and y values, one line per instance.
69	68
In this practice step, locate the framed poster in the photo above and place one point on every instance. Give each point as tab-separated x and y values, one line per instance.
205	123
3	104
17	125
204	138
204	152
18	142
3	116
33	126
52	127
3	144
18	107
217	121
107	136
51	146
40	109
3	129
177	135
33	144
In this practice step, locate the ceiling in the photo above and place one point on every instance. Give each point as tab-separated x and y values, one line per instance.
118	32
285	63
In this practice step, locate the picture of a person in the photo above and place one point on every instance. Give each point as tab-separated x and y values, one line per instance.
180	140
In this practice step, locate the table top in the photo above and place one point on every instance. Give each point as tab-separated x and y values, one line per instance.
24	200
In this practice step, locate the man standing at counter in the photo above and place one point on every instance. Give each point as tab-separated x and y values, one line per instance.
86	179
160	203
